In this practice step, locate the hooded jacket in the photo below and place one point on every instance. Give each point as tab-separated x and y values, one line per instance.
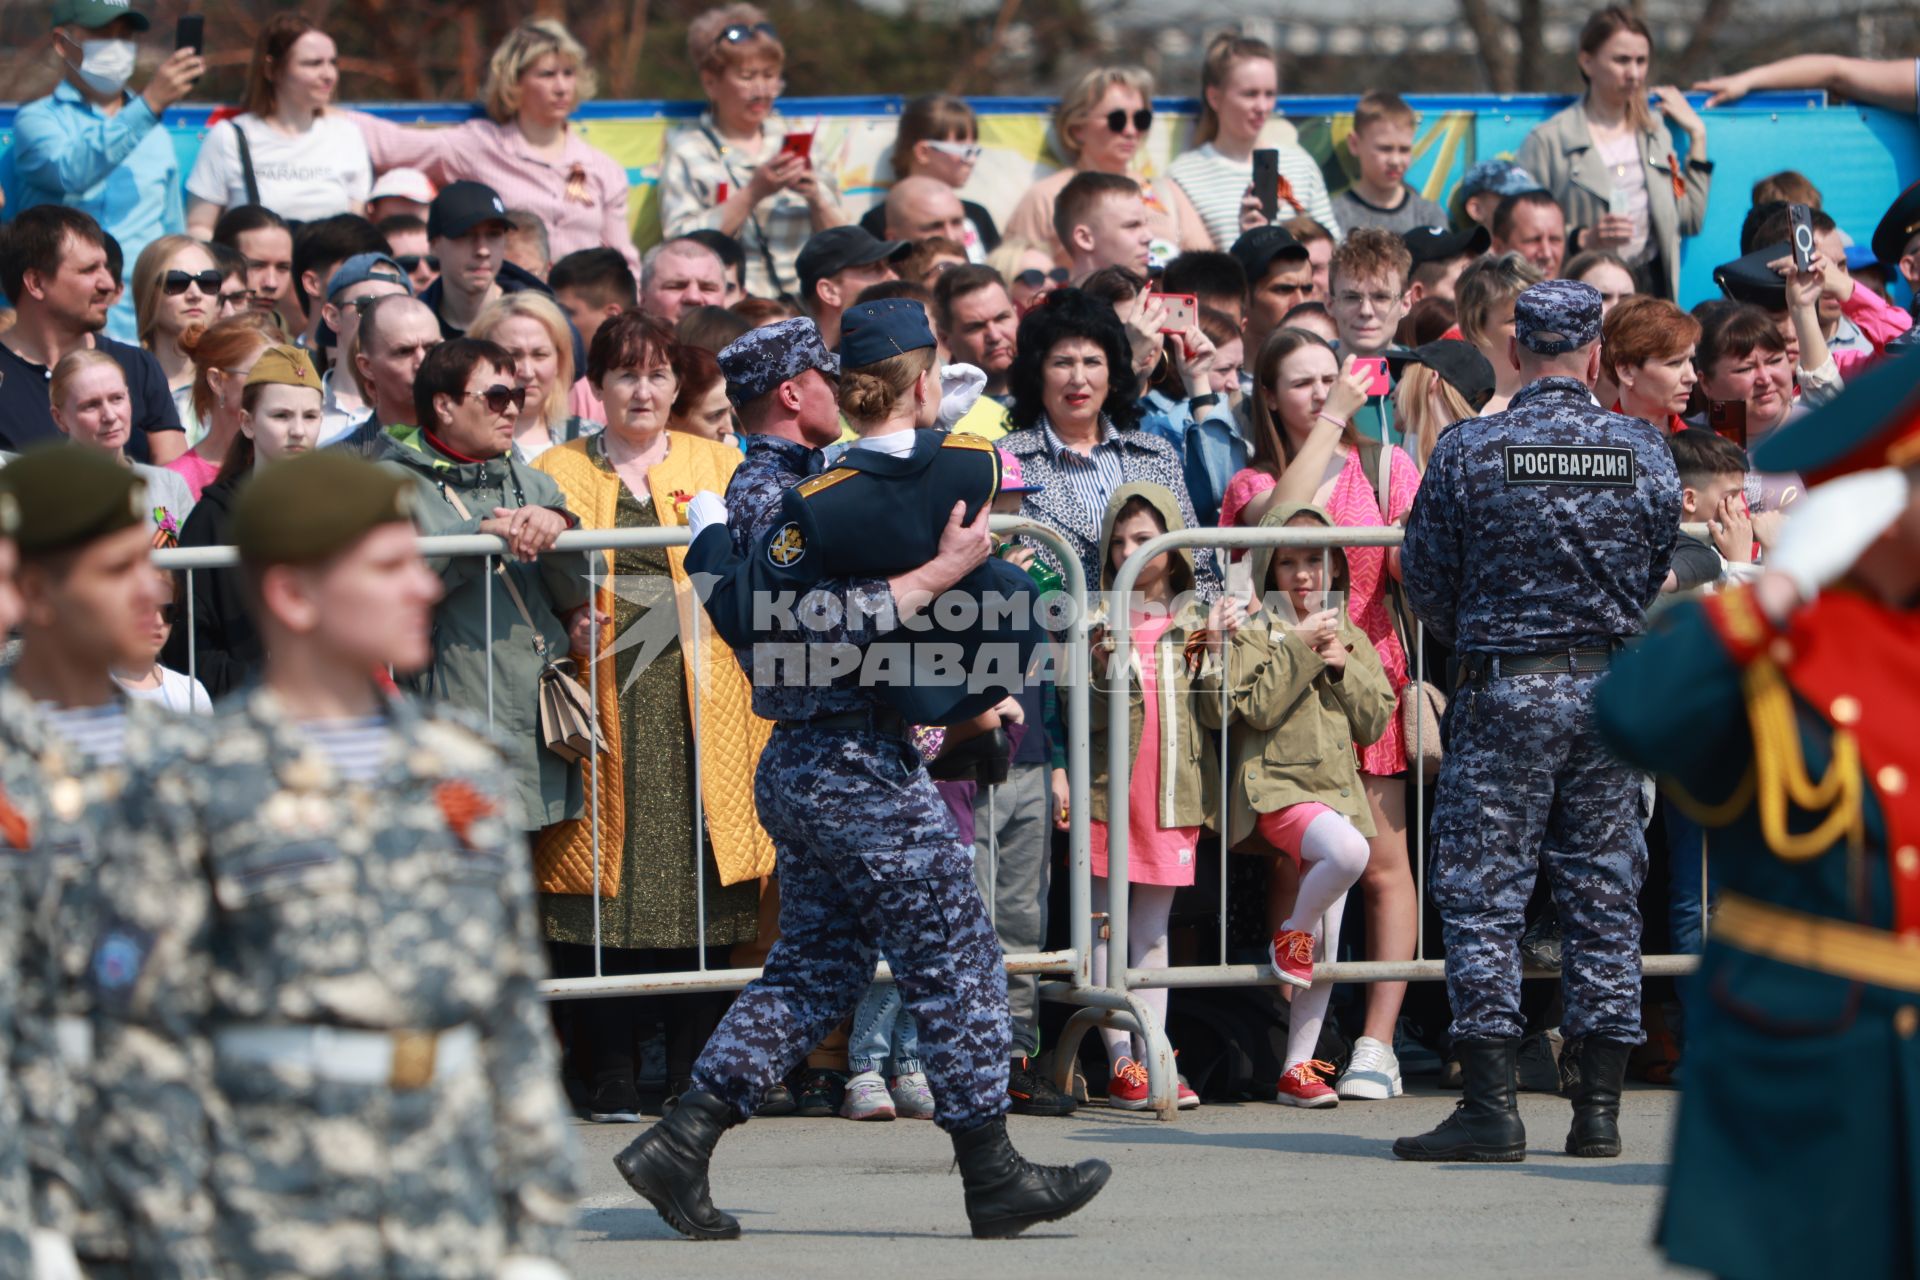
552	586
1291	725
1188	771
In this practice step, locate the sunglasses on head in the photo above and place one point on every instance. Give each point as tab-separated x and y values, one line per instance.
410	262
1142	120
175	283
743	31
1034	277
967	151
498	398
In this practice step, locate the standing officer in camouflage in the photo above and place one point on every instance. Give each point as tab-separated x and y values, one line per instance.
67	738
1539	537
870	860
321	1026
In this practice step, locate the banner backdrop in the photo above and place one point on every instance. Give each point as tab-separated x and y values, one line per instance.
1858	157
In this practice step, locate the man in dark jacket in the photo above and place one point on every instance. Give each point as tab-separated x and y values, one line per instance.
467	228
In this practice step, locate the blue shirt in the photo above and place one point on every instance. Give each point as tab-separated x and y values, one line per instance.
1545	527
117	168
1210	448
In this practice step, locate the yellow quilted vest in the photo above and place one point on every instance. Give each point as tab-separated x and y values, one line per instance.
719	699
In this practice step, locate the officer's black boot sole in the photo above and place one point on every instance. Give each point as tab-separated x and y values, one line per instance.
1092	1175
1595	1134
1485	1127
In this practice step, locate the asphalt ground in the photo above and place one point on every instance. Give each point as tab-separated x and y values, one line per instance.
1253	1189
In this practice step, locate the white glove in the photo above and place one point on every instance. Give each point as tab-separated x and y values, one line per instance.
706	510
1829	528
960	388
520	1266
53	1257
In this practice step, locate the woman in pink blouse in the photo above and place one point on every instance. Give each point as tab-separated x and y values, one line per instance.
1306	450
523	149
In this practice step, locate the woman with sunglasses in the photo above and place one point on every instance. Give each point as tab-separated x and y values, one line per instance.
740	171
1029	271
176	286
939	138
1239	83
149	681
524	146
1101	125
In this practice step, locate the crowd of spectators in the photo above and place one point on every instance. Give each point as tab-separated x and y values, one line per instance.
468	304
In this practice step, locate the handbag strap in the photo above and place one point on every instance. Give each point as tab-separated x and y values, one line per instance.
246	162
506	580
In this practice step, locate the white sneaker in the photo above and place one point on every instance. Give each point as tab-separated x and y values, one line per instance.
912	1098
867	1098
1372	1073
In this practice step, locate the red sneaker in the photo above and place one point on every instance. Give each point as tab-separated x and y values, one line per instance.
1188	1098
1292	957
1127	1089
1301	1085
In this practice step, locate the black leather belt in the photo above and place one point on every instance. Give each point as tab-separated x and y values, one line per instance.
874	720
1562	662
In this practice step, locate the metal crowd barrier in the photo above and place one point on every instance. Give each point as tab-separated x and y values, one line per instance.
1070	967
1134	1018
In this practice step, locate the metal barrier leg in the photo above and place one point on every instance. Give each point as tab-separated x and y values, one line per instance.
1119	1011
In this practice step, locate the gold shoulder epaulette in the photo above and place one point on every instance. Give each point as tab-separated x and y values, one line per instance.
966	440
825	480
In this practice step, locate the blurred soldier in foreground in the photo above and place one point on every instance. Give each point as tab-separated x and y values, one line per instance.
1782	716
321	1023
1538	539
67	739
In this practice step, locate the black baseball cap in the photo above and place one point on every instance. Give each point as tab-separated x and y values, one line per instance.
1256	249
1438	244
1750	279
1459	364
838	248
462	206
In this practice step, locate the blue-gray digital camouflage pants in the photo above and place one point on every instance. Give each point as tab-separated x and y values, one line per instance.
1526	783
869	860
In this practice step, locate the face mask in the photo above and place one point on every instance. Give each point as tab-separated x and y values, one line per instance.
107	65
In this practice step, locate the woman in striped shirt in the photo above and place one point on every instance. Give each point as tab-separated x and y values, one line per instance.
1238	87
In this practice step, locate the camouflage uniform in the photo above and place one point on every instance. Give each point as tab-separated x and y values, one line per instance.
65	801
257	894
1537	531
869	860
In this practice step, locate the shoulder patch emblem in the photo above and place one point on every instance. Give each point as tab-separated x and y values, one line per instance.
1608	466
787	546
117	961
825	480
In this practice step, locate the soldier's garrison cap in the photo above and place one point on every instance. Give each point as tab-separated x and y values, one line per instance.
312	507
66	496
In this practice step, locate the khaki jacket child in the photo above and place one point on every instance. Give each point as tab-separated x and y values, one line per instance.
1293	726
1188	771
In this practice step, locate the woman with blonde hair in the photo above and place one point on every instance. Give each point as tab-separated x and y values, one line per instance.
939	138
286	151
1483	300
1101	126
176	286
91	406
1239	84
739	170
524	148
223	355
1028	269
533	331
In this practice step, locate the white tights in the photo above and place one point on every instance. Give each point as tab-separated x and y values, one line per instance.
1149	907
1333	854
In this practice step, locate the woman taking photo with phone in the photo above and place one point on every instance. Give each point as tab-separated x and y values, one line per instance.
739	170
1612	166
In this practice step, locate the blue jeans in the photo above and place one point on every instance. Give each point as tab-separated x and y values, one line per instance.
1686	910
884	1037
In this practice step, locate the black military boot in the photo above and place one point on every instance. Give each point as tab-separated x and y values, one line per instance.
668	1165
1596	1098
1006	1195
1485	1125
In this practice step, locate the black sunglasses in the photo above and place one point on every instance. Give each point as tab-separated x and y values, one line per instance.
166	612
1034	277
740	31
175	283
1142	120
498	397
410	262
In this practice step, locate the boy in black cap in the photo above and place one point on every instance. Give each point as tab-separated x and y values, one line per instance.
835	265
1439	256
467	228
1279	278
341	892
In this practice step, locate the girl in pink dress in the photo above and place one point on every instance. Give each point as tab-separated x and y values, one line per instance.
1306	450
1173	771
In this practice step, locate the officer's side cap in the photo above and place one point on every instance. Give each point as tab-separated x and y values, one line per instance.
1875	422
311	508
761	359
67	496
876	331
